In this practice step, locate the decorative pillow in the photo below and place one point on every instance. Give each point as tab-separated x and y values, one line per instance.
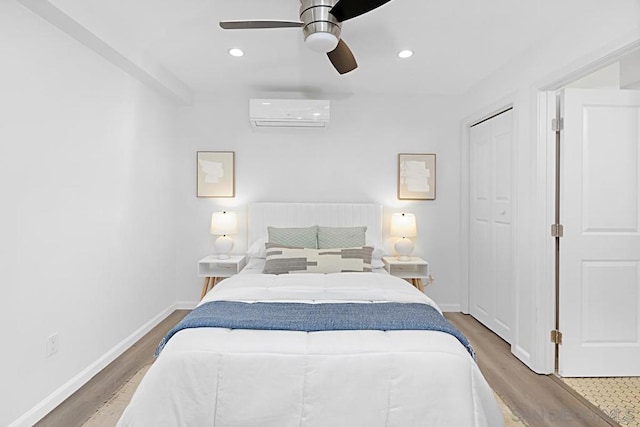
341	237
377	263
299	237
378	251
257	249
282	260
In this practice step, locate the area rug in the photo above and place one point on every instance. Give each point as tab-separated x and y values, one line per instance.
619	397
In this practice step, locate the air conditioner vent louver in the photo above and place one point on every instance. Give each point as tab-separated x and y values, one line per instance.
296	113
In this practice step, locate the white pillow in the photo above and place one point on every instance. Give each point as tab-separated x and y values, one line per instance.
377	263
258	249
378	250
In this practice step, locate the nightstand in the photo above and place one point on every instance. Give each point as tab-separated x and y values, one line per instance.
412	271
214	269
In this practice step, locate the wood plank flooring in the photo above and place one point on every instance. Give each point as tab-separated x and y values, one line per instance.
539	400
80	406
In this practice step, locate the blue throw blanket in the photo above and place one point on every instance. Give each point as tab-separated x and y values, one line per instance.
388	316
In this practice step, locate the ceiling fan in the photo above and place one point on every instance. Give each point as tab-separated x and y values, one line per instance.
321	25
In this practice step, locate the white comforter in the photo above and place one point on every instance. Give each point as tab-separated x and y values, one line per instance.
253	378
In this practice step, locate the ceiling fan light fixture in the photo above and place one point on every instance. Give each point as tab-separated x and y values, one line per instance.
236	52
321	42
321	23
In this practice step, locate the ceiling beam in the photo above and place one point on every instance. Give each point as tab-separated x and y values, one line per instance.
630	71
147	72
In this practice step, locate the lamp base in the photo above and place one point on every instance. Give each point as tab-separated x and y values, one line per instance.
223	245
404	247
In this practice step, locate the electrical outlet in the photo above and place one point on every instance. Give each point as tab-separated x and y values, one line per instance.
52	344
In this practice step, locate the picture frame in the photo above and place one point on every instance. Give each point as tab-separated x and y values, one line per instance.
416	176
215	174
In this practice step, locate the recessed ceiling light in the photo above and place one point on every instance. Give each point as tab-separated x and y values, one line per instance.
235	52
405	54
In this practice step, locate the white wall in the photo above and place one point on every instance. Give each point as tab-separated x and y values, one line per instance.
353	160
101	229
595	34
87	218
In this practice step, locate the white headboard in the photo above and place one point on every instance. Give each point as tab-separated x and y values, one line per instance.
261	215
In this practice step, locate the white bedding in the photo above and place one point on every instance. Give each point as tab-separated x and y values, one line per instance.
254	378
256	266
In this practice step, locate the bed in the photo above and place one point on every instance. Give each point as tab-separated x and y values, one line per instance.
345	367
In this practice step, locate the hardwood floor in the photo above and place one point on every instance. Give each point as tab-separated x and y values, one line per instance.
80	406
539	400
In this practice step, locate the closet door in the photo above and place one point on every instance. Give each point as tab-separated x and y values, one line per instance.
491	235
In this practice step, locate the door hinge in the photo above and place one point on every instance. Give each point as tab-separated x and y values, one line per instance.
557	125
556	336
557	230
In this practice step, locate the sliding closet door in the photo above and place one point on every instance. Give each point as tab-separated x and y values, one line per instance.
491	235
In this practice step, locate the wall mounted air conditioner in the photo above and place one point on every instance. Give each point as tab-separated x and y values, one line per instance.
292	113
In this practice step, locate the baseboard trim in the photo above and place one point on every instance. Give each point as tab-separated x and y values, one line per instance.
49	403
186	305
450	308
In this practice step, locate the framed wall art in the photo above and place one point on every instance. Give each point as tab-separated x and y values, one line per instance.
216	174
416	176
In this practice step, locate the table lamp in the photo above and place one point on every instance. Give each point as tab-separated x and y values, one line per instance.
223	224
403	225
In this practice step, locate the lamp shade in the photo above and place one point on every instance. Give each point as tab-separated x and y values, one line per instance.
403	225
223	223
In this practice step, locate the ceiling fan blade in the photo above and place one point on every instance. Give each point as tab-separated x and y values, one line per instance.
342	58
347	9
256	24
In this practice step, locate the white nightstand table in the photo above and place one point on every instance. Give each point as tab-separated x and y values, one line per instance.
412	271
214	269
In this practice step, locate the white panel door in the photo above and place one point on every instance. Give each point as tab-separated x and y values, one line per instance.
600	250
491	252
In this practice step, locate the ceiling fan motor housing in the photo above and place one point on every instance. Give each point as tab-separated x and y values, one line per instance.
321	29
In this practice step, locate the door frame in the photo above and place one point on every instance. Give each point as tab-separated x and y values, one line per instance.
540	103
548	108
577	358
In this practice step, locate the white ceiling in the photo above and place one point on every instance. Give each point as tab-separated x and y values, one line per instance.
457	43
